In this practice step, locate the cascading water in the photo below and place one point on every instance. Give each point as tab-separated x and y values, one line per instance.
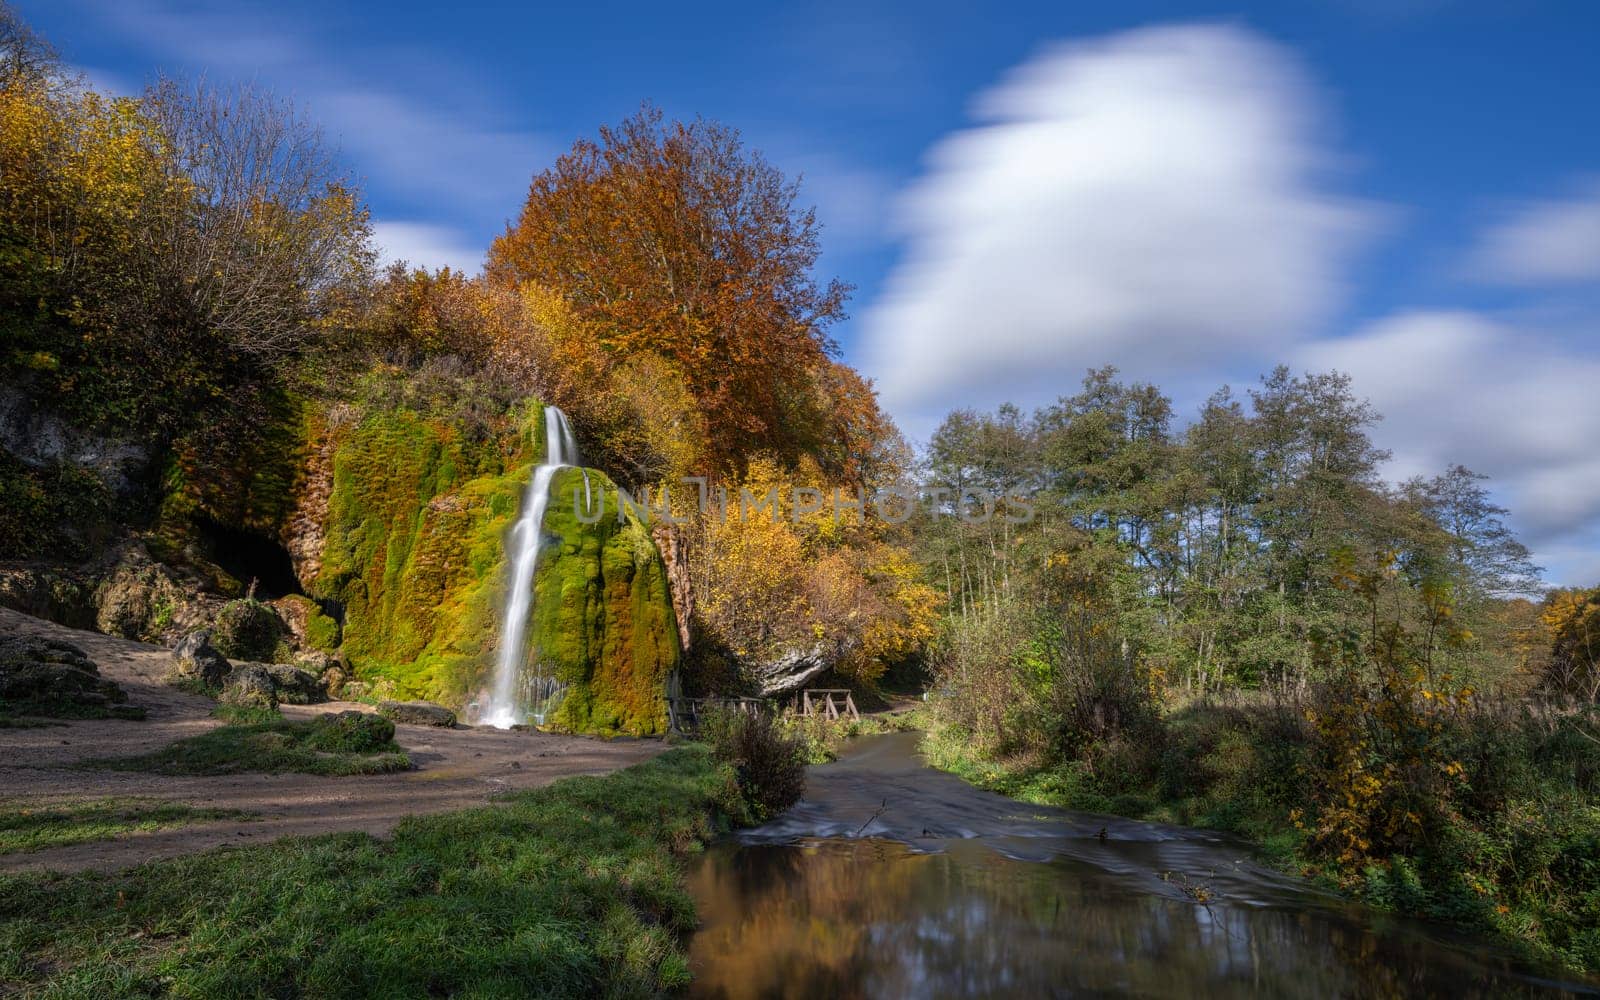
514	698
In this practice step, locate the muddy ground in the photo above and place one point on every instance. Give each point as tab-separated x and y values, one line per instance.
454	768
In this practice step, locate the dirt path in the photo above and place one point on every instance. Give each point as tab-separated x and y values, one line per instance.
455	768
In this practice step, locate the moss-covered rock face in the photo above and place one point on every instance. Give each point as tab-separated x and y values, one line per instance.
413	554
602	614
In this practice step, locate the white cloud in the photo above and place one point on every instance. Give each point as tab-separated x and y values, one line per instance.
425	245
457	164
1544	242
1149	200
1508	402
851	199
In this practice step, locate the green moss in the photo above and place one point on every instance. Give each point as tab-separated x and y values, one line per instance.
245	477
413	551
59	510
322	632
323	746
247	629
415	554
602	616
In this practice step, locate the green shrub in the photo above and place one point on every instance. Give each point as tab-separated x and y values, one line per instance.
241	715
247	629
769	766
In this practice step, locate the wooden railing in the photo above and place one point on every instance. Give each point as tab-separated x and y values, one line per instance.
685	714
830	703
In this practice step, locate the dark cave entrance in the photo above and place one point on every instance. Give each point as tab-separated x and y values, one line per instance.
246	556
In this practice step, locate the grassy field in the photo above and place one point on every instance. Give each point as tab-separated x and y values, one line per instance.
27	827
570	890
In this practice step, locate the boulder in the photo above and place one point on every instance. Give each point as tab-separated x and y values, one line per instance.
60	596
295	686
792	669
48	677
351	732
417	713
248	629
250	686
331	668
142	599
194	658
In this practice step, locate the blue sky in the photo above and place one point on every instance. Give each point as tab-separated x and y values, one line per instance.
1408	190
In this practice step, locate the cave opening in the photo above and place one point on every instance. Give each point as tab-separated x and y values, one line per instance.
247	555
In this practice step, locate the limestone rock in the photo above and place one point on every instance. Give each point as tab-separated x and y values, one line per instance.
250	686
791	669
417	713
140	598
603	621
55	595
48	677
295	686
194	658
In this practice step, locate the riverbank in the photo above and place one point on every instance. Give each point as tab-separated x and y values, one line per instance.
575	889
894	879
1513	851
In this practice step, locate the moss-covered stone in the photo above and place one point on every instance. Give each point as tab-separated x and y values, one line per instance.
247	629
413	551
602	614
310	628
414	554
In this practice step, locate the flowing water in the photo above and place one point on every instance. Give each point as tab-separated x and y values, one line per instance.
891	879
518	695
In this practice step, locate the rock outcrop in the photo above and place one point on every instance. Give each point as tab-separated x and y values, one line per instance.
414	556
250	686
195	659
603	621
47	677
417	713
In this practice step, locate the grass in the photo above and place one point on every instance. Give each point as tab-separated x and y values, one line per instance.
823	738
273	746
29	827
570	890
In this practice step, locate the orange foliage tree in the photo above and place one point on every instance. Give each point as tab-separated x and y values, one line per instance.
675	240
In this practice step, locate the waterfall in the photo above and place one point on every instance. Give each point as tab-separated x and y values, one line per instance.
511	700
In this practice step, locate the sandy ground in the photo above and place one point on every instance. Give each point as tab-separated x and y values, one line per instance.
455	768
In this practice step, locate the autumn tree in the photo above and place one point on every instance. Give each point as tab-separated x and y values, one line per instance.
674	239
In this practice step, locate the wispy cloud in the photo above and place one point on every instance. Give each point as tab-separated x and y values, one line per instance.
427	147
1153	199
1550	242
1513	402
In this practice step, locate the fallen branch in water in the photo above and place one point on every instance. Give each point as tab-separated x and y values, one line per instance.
874	816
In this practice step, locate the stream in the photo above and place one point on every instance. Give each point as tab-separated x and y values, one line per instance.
892	879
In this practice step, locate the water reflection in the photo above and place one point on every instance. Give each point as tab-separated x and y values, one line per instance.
1033	903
